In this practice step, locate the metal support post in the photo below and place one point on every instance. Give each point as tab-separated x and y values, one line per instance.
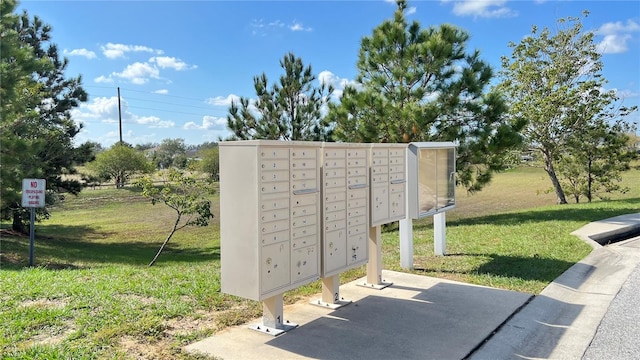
331	294
374	266
272	317
406	243
440	233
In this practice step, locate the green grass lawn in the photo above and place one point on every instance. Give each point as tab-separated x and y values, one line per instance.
92	294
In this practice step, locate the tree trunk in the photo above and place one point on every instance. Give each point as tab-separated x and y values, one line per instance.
175	227
548	167
589	181
17	224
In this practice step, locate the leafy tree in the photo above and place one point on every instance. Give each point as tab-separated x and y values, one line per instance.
289	110
146	146
170	152
597	156
184	194
86	152
209	162
37	129
554	82
422	85
119	163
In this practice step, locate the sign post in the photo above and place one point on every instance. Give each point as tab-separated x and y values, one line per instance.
33	192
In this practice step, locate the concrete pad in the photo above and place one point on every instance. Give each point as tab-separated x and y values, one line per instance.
417	317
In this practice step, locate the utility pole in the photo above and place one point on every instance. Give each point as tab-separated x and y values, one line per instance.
119	115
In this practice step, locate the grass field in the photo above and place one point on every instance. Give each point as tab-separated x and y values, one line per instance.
91	294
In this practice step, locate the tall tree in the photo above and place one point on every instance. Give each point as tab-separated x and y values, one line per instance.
37	127
554	82
288	110
119	163
422	85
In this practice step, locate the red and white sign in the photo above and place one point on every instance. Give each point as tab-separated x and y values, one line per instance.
33	192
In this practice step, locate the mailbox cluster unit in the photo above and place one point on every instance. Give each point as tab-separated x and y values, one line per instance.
294	211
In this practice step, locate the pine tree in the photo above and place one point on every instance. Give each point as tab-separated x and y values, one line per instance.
289	110
423	85
37	129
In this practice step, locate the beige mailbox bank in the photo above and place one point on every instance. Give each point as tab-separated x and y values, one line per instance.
293	212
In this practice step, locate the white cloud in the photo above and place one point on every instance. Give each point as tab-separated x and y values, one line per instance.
615	36
261	28
172	63
161	91
105	110
223	101
80	52
481	8
208	123
296	26
139	73
100	109
410	10
114	51
153	121
103	79
339	84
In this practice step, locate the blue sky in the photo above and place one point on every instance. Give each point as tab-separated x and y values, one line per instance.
178	64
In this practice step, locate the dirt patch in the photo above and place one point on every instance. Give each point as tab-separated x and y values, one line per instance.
54	335
163	347
137	349
45	303
145	300
182	326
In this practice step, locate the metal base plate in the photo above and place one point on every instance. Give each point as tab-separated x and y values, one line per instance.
274	331
336	305
380	286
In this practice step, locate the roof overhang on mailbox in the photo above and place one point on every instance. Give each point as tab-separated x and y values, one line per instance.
431	168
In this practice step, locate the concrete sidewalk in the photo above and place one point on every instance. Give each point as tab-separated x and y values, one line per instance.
417	317
420	317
